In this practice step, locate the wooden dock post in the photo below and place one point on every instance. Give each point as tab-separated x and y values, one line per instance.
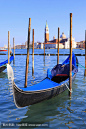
70	74
8	45
44	48
85	54
27	59
33	52
14	49
58	47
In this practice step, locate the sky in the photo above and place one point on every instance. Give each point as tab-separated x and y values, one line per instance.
15	14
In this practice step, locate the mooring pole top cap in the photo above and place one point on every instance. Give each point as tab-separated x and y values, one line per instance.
71	14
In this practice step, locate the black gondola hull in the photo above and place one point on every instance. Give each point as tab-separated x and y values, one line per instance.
3	65
26	98
2	68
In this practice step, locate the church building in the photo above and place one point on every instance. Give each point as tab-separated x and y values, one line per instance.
53	44
64	42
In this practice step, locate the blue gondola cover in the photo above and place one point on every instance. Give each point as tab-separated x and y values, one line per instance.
5	62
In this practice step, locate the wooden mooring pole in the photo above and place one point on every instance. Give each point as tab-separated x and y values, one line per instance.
58	47
44	48
14	49
27	59
85	54
33	52
70	74
8	45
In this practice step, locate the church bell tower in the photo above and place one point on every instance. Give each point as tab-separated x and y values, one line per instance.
46	32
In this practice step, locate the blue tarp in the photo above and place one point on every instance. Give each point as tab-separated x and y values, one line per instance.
47	83
5	62
63	68
67	61
43	85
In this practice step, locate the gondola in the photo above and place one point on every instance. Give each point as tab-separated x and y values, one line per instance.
56	82
3	65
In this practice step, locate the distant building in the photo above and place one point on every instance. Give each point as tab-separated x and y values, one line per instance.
35	45
23	46
50	44
40	45
80	44
53	45
5	46
67	43
63	36
83	44
64	42
26	44
20	47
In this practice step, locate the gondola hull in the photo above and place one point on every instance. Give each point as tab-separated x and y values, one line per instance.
26	98
2	68
3	65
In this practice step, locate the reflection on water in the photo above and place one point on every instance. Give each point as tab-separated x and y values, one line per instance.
45	111
3	75
61	111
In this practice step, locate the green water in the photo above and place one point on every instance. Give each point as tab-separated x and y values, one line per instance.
60	112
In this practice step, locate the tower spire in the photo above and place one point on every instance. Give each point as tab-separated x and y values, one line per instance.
46	24
46	32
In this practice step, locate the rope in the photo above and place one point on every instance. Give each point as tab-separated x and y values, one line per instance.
81	65
69	89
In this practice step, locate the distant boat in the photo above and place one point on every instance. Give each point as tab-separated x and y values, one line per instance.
55	83
3	50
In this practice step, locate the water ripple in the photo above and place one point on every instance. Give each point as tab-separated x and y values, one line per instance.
61	111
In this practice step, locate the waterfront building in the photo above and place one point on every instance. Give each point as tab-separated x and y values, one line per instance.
67	43
35	45
63	36
80	44
40	45
20	47
26	44
5	46
53	44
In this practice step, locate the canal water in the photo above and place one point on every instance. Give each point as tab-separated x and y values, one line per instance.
60	112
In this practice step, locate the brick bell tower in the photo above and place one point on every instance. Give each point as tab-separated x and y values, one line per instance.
46	32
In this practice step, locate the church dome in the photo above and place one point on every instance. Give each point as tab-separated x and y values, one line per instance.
63	36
